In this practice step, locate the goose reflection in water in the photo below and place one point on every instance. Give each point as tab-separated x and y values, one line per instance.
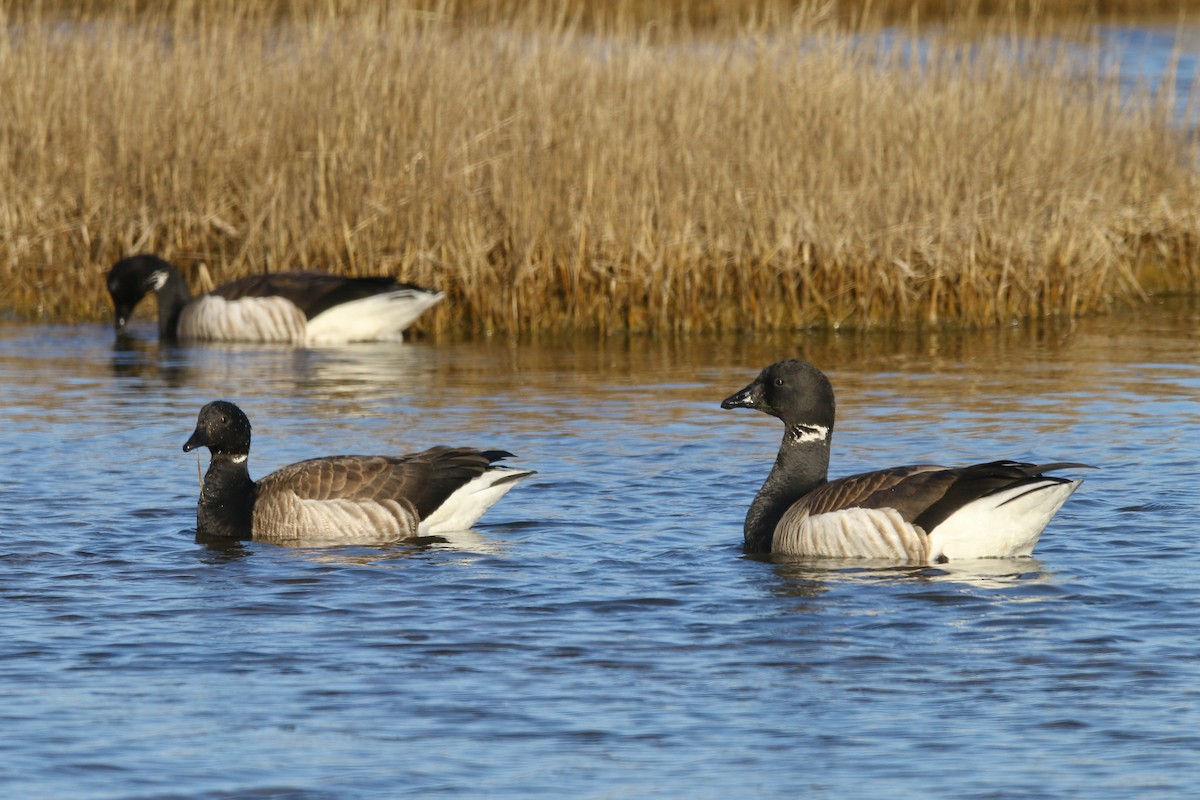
362	372
807	577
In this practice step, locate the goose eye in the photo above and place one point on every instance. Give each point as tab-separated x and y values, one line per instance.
779	381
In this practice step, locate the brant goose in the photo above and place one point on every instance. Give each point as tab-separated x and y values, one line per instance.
343	499
923	514
289	307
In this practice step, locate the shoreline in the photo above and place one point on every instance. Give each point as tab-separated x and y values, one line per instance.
552	181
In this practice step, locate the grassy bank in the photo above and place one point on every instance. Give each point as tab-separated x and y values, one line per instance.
692	15
551	178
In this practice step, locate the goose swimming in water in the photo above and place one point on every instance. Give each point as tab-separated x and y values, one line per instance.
341	499
918	514
286	307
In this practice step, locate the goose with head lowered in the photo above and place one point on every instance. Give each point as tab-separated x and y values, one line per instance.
286	307
917	514
341	499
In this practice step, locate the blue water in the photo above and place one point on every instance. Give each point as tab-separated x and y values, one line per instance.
1160	58
600	634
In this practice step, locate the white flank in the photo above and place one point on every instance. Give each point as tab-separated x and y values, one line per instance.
1004	525
334	521
849	533
463	508
249	319
381	317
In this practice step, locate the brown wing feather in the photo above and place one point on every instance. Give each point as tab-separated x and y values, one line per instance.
423	479
925	495
909	490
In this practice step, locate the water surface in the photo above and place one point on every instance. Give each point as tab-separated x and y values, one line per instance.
600	634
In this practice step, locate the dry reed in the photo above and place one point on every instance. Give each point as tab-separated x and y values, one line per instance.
553	176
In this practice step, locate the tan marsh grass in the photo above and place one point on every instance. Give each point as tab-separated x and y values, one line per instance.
553	178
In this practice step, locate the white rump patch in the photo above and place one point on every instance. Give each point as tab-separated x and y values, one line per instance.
248	319
808	433
1003	525
464	508
849	533
381	317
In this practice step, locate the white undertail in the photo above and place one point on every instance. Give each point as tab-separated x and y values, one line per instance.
1007	524
380	317
464	508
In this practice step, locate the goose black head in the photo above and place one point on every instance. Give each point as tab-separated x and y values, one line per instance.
222	428
131	279
794	391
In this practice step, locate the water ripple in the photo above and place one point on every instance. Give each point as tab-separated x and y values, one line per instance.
600	634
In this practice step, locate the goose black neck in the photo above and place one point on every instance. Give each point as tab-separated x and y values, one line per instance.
172	296
226	507
800	467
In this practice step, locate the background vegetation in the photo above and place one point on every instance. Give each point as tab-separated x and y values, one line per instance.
724	165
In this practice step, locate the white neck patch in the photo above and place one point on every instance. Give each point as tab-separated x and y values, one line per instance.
800	434
158	279
238	459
